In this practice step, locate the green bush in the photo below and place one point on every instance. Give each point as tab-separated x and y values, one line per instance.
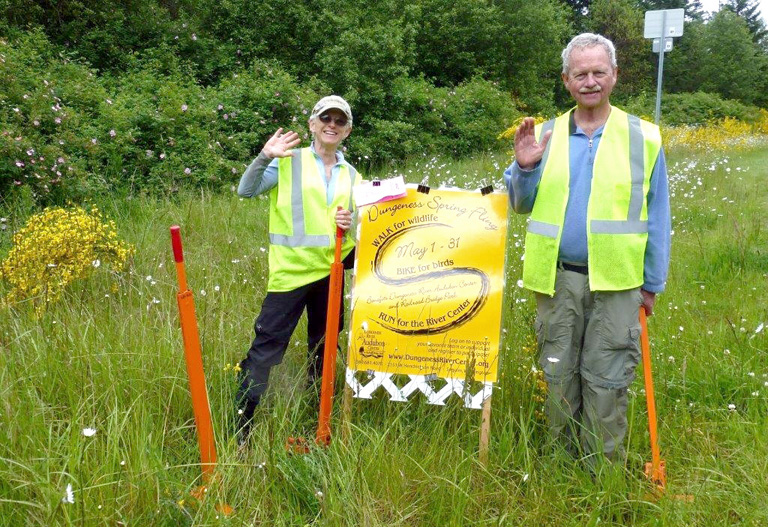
68	133
413	125
476	112
48	109
105	33
691	108
426	120
170	132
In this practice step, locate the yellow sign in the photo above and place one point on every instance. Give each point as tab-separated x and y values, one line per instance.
428	286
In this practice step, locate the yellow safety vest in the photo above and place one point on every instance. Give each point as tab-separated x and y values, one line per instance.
617	214
302	226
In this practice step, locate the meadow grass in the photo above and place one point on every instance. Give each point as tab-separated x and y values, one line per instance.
111	359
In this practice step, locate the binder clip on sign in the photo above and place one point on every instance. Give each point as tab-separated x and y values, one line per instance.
377	191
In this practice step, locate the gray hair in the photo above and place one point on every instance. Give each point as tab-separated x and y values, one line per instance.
588	40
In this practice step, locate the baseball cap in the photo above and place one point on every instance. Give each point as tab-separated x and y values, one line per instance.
329	102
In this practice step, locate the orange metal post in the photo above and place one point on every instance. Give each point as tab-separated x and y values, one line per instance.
331	341
656	469
194	359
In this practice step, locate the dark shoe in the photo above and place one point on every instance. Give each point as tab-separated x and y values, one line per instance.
245	420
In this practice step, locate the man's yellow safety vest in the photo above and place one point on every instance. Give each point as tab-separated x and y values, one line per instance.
302	226
617	214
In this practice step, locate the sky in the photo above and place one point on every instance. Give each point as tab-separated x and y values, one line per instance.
712	5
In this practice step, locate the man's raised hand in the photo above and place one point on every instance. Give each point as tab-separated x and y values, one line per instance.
528	152
280	144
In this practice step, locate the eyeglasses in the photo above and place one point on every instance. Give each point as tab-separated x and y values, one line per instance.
326	118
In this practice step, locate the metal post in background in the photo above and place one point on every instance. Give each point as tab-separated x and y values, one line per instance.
661	26
657	114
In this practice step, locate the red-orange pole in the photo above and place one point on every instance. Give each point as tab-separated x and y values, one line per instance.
194	359
331	341
655	470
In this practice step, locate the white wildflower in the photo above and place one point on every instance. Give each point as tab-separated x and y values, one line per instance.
69	495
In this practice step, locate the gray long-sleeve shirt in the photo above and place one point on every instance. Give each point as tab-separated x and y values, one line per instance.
261	175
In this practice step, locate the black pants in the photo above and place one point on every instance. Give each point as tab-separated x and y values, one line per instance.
274	326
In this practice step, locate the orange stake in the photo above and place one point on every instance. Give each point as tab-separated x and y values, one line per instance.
194	360
656	470
331	340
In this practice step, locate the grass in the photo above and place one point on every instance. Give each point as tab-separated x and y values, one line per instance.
113	361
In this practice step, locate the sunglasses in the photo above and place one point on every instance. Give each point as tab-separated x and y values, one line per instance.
326	118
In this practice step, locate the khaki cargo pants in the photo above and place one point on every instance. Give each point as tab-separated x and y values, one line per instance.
589	344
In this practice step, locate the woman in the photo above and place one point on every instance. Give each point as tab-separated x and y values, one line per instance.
306	186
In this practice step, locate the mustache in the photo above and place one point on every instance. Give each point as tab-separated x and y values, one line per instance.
596	89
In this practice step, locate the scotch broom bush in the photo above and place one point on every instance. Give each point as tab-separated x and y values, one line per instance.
57	247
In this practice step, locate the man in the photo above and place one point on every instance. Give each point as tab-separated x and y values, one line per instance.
306	187
596	249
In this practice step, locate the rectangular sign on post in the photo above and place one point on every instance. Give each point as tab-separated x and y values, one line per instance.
428	288
656	46
662	24
668	21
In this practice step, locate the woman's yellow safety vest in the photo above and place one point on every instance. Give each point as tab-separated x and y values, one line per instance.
302	225
617	213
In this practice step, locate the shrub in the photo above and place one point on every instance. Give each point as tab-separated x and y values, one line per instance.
47	109
691	108
57	247
68	133
476	112
725	134
426	120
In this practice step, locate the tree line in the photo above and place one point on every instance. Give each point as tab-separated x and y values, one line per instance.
157	94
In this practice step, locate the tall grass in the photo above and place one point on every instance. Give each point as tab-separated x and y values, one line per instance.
113	361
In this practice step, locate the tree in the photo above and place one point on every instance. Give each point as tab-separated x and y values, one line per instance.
622	23
458	40
732	64
535	34
693	9
749	10
104	32
681	66
578	11
718	56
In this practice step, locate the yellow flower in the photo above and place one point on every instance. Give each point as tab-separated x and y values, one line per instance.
725	134
509	133
56	247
